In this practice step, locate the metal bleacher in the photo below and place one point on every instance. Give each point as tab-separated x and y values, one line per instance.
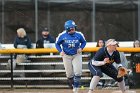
41	71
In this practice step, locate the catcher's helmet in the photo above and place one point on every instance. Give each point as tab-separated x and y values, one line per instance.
69	24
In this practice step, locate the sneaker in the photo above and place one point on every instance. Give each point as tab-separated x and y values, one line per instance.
90	91
75	90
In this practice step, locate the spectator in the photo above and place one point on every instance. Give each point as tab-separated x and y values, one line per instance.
45	39
131	80
136	44
100	43
22	41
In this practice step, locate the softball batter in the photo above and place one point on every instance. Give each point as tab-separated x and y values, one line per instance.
72	43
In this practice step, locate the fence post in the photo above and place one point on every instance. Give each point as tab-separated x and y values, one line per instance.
12	82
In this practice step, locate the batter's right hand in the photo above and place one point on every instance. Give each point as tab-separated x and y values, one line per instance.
62	53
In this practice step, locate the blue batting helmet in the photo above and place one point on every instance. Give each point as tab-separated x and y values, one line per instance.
69	24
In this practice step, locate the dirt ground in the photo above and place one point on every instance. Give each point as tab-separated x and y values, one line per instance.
63	91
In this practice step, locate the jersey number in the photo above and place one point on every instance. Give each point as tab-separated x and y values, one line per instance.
71	45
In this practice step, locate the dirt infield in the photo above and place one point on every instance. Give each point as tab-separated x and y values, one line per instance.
61	91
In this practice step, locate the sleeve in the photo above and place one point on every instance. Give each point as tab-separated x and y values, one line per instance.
29	44
123	59
52	40
15	42
98	63
82	41
98	59
58	42
39	43
117	57
99	56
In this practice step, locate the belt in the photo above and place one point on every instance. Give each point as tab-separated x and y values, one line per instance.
71	54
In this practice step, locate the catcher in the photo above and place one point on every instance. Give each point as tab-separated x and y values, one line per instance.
102	63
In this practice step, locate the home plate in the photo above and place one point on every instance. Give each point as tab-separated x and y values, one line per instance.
128	91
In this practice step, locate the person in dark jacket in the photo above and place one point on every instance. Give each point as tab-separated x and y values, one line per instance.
45	39
22	41
133	60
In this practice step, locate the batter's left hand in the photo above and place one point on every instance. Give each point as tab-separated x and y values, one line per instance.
79	51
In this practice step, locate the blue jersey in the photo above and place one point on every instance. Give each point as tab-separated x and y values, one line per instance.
70	42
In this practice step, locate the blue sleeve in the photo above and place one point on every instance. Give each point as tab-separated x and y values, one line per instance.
58	43
82	41
100	55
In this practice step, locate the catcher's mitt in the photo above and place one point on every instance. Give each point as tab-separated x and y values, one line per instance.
122	72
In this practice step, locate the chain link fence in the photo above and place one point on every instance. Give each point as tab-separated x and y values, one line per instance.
111	18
